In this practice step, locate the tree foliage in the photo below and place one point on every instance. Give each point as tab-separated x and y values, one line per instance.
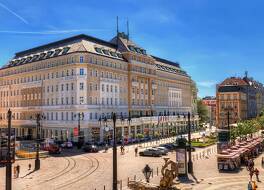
247	127
202	111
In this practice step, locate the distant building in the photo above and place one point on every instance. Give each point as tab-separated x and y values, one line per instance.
243	97
210	102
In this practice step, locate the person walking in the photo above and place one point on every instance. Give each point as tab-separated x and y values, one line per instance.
254	186
256	171
106	147
15	172
251	173
18	170
29	166
249	186
136	151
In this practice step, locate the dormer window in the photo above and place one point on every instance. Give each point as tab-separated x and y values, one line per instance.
98	50
106	52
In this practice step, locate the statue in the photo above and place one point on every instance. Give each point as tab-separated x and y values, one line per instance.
169	172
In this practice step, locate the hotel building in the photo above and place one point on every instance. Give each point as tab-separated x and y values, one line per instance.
83	74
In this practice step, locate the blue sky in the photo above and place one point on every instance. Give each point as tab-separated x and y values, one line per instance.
211	39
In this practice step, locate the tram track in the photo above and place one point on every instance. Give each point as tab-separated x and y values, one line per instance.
82	176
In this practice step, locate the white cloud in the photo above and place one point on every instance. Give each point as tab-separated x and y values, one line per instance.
207	84
14	13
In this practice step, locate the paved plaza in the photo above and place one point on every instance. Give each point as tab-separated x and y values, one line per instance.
75	169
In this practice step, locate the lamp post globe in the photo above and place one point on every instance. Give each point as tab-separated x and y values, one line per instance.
147	171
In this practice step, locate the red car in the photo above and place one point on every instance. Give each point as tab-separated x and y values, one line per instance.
53	149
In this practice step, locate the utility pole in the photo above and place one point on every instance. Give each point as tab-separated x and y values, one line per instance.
9	164
114	153
190	164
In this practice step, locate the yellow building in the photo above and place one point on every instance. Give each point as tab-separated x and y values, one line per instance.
83	74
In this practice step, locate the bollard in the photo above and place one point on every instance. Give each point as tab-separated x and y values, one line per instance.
134	177
104	187
127	181
121	185
157	171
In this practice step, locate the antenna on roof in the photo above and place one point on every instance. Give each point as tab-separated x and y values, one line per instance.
246	74
127	29
117	33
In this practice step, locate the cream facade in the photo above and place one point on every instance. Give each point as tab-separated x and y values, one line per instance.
94	77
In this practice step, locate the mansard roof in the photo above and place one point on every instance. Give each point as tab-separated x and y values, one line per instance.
85	43
64	42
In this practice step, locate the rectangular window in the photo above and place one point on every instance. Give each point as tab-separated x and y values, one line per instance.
72	86
62	87
81	100
72	100
62	101
67	86
81	59
81	71
81	86
67	116
91	115
62	116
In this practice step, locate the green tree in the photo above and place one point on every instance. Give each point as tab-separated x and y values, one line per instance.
202	111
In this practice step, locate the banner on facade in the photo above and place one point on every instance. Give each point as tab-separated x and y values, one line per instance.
75	131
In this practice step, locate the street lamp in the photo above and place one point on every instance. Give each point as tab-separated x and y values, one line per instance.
190	164
228	109
80	117
38	117
147	171
114	153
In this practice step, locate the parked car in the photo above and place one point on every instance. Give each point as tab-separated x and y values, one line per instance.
90	148
151	152
163	150
54	149
67	144
168	146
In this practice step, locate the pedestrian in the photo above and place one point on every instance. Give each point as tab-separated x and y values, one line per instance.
18	170
15	172
256	171
249	186
29	166
254	186
136	151
251	173
106	147
123	149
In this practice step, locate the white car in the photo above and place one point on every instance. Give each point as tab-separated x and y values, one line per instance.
151	152
163	150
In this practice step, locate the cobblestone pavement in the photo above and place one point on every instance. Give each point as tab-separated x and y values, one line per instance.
84	171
